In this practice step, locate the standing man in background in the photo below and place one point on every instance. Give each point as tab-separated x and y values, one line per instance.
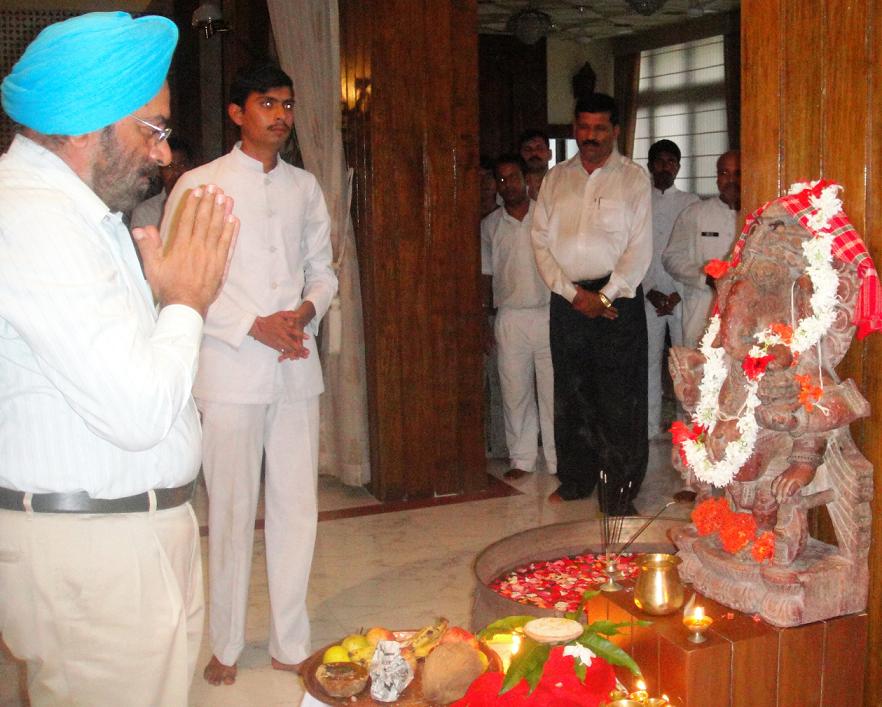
704	231
100	561
149	211
663	310
535	149
592	237
259	374
521	327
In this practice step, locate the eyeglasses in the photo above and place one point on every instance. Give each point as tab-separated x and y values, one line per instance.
161	134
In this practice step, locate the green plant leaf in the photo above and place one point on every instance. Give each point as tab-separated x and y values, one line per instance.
581	670
607	628
609	651
506	625
527	663
586	597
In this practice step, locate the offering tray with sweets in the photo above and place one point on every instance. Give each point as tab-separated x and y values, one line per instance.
412	694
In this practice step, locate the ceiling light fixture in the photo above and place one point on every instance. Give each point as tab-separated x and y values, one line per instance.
529	25
208	19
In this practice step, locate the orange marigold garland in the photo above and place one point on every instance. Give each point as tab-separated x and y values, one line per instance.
737	530
809	394
764	547
709	516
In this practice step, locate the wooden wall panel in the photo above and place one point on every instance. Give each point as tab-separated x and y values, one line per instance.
812	107
416	214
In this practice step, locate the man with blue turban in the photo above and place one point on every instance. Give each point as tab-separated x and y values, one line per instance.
100	570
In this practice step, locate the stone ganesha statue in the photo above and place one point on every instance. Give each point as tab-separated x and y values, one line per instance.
770	417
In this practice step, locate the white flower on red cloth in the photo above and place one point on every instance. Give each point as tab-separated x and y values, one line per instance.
581	653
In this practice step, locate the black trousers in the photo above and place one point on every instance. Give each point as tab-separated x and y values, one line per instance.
600	397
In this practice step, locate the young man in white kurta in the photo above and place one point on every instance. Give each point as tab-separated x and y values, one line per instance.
521	326
258	382
662	300
703	232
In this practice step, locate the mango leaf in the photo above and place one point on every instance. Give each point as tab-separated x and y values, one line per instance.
609	651
527	663
607	628
506	625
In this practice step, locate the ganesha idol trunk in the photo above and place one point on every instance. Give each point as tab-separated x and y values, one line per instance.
767	437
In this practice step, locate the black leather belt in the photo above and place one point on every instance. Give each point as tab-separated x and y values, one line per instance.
81	502
593	285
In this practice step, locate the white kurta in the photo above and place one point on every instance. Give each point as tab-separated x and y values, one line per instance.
251	403
666	207
703	232
521	332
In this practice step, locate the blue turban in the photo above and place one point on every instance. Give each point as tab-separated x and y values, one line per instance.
87	72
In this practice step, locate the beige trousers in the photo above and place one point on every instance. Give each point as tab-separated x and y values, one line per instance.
105	609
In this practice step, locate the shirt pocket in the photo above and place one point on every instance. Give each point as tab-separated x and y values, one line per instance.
610	215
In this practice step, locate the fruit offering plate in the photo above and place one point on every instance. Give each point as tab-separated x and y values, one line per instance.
412	695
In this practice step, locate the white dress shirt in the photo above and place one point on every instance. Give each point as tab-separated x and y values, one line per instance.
507	255
666	207
95	387
704	231
588	226
282	257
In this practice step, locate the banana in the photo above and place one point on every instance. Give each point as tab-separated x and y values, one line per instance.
427	637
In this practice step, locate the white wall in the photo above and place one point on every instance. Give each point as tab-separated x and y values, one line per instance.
564	59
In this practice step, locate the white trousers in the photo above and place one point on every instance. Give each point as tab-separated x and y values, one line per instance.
655	330
106	609
525	370
234	438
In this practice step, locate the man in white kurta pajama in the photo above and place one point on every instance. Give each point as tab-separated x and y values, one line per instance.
259	375
703	232
661	298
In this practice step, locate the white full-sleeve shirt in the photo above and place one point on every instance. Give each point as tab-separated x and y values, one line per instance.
666	207
282	257
94	385
507	256
586	227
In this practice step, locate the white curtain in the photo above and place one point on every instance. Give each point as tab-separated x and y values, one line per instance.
307	37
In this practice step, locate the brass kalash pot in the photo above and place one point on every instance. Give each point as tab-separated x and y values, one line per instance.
659	590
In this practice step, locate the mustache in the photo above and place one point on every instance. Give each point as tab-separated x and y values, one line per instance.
589	141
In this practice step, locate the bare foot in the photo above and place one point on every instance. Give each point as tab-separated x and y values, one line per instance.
555	498
216	673
514	474
290	667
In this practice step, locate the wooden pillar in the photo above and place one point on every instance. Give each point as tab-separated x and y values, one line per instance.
410	91
812	107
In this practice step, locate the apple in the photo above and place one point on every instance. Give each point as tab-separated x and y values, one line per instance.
362	656
377	634
455	634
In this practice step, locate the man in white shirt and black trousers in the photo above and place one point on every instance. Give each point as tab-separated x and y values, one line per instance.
592	237
259	376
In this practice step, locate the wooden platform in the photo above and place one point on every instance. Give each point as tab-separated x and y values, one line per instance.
744	662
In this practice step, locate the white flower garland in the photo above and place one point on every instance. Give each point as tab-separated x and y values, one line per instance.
806	333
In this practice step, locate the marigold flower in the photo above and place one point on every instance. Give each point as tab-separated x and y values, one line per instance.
710	516
785	331
716	268
764	547
809	394
738	530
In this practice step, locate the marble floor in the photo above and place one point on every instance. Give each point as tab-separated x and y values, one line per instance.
399	569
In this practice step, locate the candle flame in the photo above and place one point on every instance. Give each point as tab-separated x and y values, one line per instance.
641	685
515	644
698	613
